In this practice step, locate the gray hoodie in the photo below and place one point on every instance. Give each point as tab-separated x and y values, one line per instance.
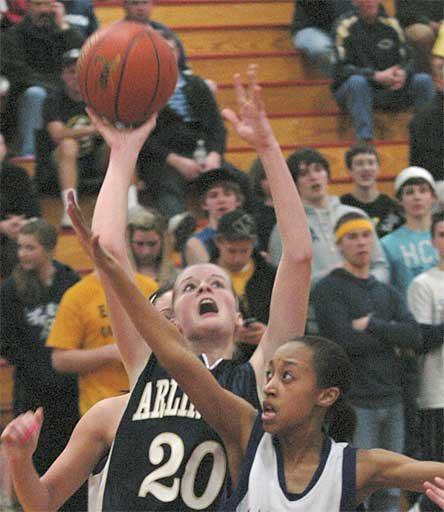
326	256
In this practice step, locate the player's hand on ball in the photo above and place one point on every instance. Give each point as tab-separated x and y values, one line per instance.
19	439
123	139
251	122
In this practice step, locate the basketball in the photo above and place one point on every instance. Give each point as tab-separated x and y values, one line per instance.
126	71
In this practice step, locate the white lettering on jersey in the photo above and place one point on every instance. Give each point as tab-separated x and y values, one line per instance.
166	403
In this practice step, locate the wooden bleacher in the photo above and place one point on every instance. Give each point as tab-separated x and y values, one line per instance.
222	37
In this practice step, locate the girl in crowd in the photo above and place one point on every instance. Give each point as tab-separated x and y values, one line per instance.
150	245
29	302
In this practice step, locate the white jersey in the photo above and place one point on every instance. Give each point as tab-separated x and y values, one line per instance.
262	481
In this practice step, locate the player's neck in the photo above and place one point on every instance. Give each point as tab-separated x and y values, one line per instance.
301	446
365	194
215	347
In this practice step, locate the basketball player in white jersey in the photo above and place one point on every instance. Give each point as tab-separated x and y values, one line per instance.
291	457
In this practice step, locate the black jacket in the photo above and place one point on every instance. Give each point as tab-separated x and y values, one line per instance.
318	13
409	12
340	298
364	48
427	138
32	55
174	135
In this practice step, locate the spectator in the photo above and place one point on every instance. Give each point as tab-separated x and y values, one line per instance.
409	249
77	148
219	193
191	111
363	164
263	210
83	342
140	11
421	21
12	12
426	302
251	275
31	59
311	29
150	245
81	16
311	171
409	252
375	67
18	202
370	320
29	303
427	127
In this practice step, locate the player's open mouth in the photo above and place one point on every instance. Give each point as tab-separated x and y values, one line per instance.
207	306
269	412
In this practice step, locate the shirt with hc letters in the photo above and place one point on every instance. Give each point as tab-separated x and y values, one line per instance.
165	456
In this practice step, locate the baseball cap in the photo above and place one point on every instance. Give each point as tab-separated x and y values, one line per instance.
237	225
208	179
70	57
414	173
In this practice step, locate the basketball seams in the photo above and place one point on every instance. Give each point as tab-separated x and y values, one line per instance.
154	95
133	42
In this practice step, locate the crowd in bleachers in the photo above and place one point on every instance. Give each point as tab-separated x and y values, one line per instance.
377	271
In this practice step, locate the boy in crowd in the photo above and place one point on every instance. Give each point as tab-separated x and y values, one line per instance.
363	164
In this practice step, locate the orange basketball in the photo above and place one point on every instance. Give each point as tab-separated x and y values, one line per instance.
127	71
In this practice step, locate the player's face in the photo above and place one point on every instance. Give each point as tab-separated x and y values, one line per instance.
220	200
233	256
356	247
139	10
31	254
146	246
438	239
364	170
204	302
417	200
312	182
291	391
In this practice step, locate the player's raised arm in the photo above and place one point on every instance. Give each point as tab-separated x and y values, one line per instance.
109	222
173	354
292	285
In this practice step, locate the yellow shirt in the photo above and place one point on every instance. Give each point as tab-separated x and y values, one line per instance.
82	322
240	280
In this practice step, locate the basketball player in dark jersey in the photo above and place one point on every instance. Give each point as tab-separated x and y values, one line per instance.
165	457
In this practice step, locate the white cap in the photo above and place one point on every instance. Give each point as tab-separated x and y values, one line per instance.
411	173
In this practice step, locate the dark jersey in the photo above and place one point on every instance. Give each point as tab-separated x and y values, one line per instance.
165	456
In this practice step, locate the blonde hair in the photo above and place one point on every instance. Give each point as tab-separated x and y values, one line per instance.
144	219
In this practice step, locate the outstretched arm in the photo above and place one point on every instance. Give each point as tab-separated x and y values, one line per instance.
209	398
289	300
109	222
382	469
88	443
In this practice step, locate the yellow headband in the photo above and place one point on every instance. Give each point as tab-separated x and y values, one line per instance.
352	225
